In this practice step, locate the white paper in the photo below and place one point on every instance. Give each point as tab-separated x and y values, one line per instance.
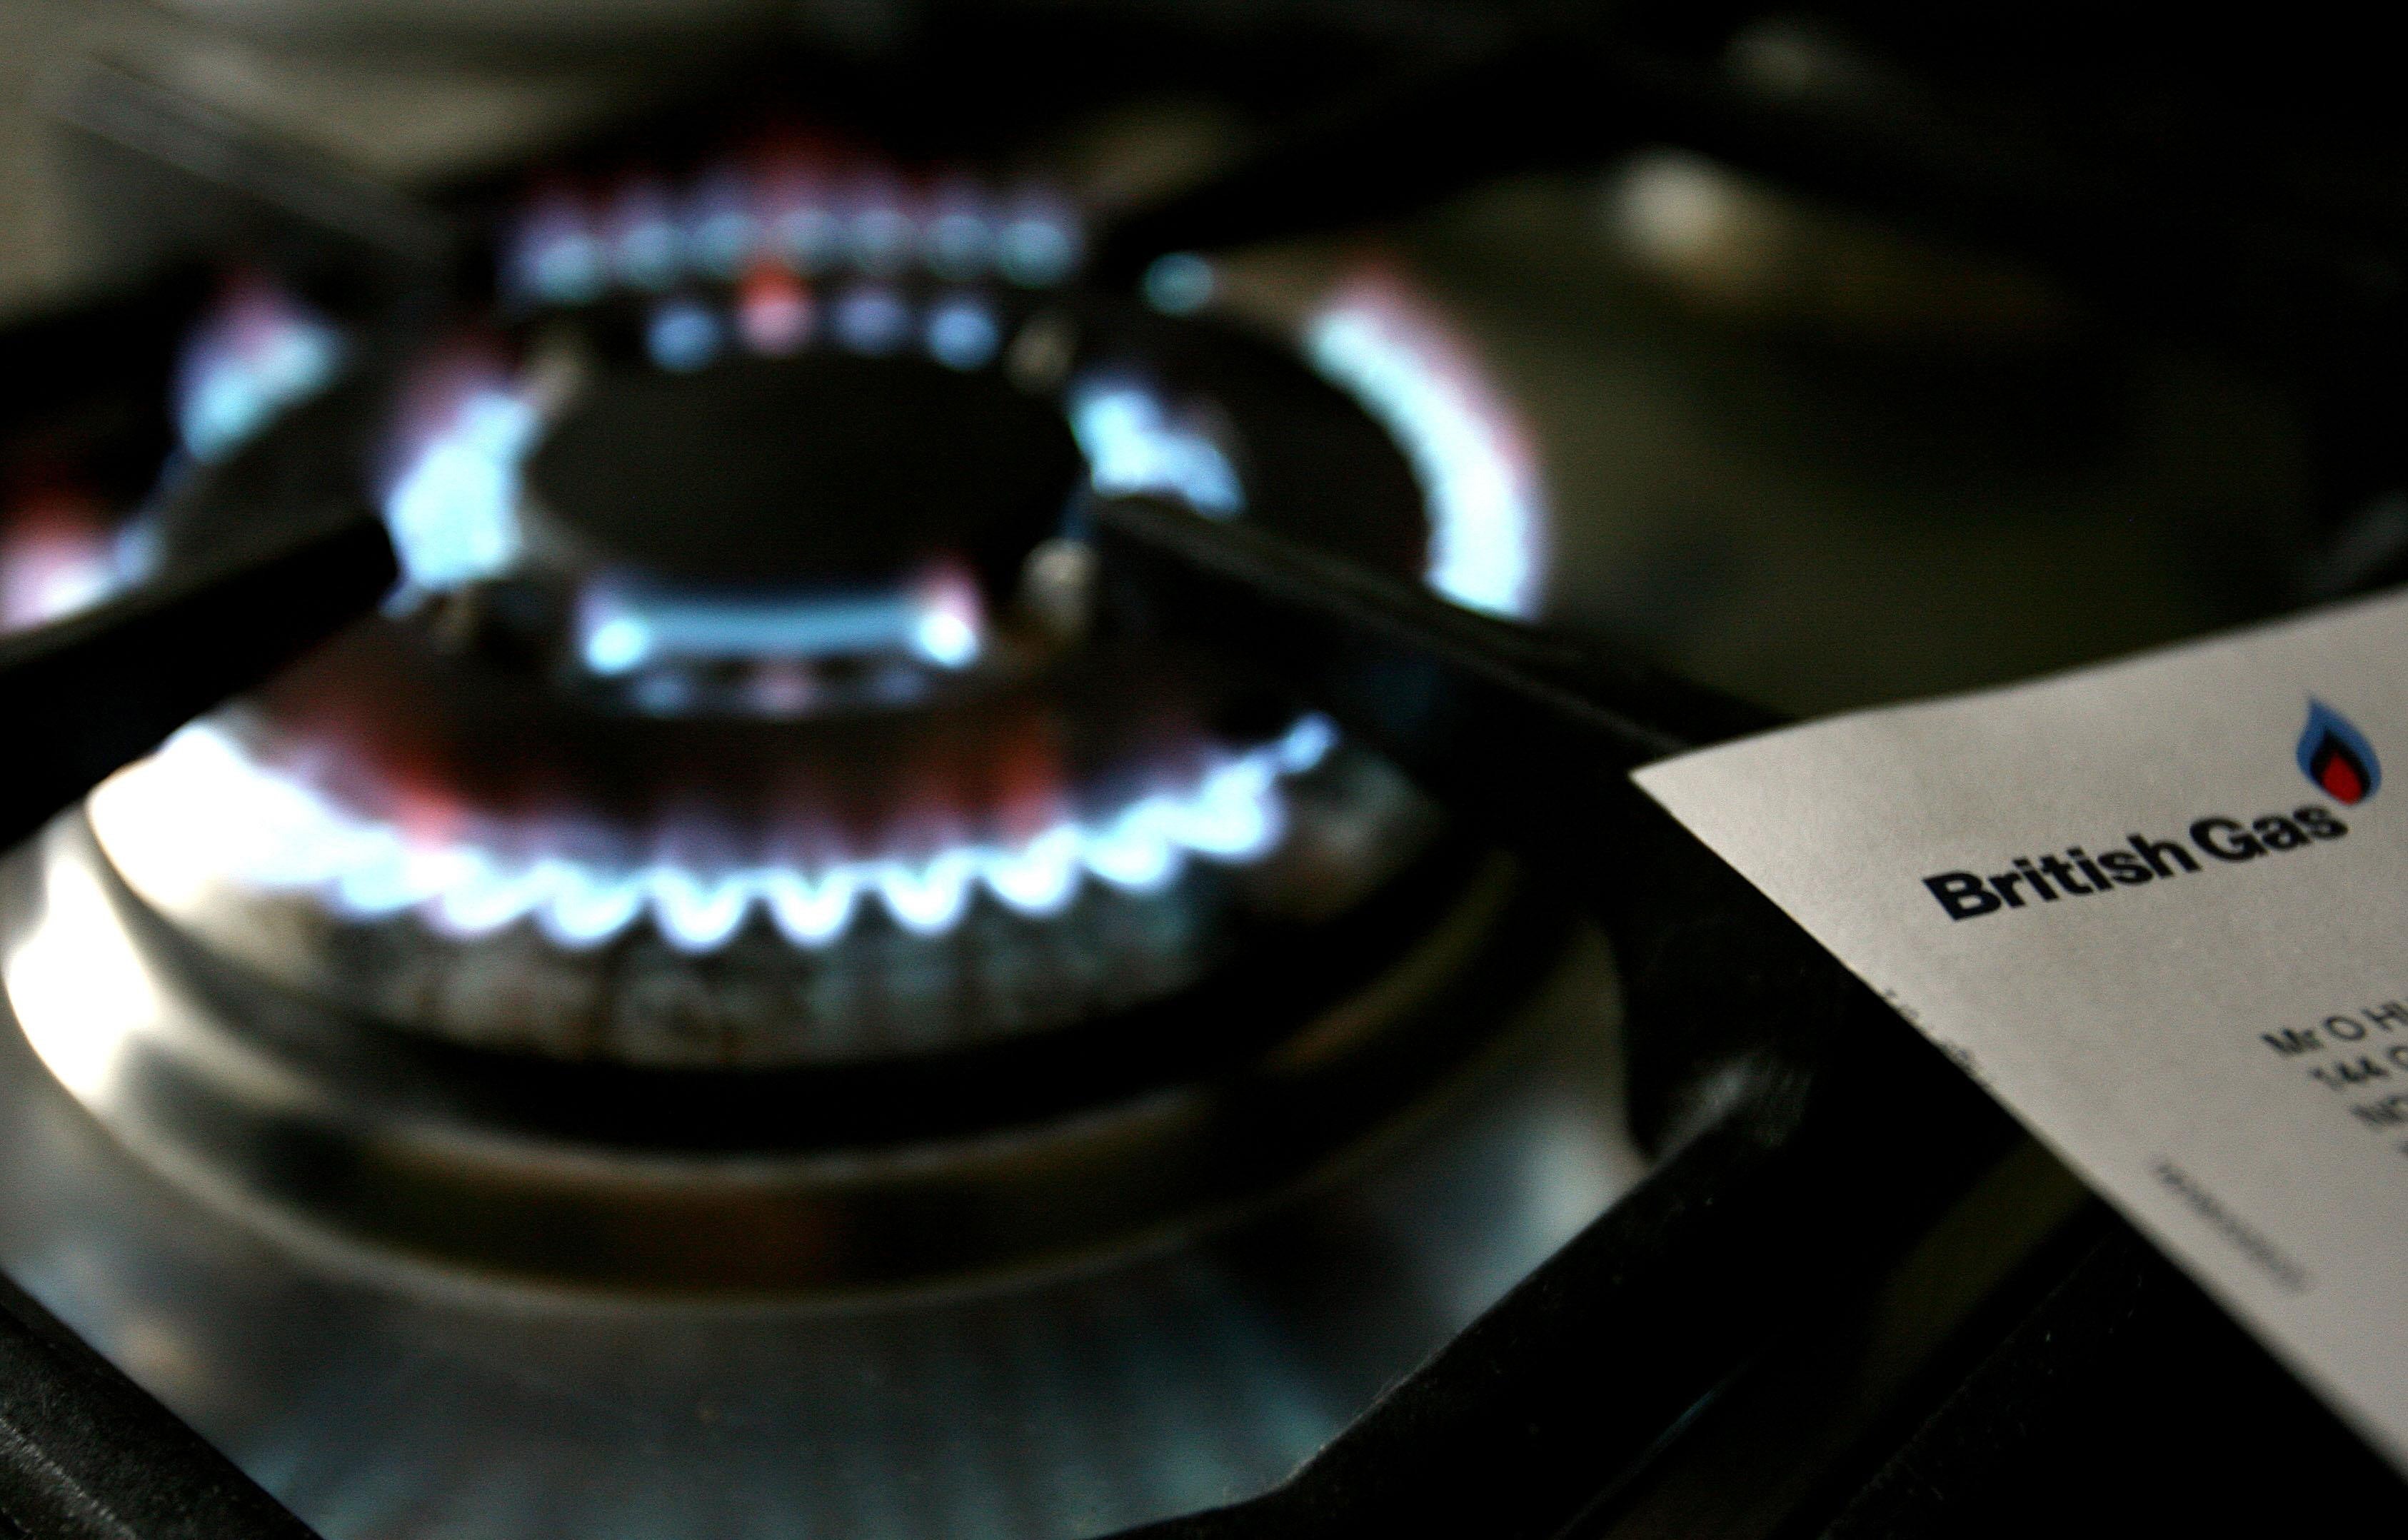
2221	1051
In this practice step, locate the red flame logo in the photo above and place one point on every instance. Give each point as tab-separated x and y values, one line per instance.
2335	755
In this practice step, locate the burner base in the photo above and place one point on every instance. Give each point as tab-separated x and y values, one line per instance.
203	1077
378	1395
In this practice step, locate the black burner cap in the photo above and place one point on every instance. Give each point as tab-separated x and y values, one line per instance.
824	469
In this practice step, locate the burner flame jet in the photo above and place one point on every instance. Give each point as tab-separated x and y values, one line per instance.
275	831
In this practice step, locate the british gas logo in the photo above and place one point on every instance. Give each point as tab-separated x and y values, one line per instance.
2333	753
2335	756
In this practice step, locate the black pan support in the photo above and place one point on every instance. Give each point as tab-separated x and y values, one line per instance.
1782	1090
1809	1138
95	690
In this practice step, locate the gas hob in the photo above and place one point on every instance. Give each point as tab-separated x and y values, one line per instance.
765	990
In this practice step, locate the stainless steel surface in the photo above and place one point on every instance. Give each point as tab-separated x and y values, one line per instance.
383	1395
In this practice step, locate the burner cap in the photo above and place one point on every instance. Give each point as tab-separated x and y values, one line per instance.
821	471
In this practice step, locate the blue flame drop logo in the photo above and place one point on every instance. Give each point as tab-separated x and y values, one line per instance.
2336	756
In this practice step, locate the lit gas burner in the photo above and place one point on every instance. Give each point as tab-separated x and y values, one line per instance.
56	557
257	351
737	722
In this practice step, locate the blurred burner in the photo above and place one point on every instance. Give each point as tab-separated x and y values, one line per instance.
55	558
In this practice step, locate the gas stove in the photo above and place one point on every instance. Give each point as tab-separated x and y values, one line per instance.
749	998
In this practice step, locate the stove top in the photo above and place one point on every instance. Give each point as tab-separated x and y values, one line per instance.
768	990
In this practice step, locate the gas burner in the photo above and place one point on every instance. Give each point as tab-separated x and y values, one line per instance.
733	803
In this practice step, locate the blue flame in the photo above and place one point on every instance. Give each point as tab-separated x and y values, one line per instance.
871	318
1039	245
959	243
453	509
272	830
624	625
879	235
553	256
562	250
646	247
1487	514
805	232
255	354
1133	445
1180	284
682	336
962	333
721	225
